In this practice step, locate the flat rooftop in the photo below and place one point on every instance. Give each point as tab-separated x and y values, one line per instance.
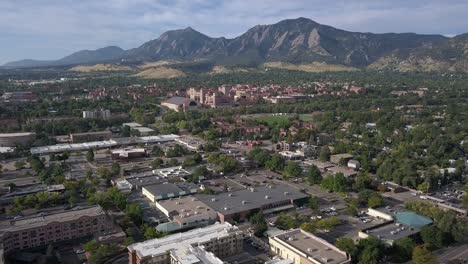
251	198
185	207
168	190
45	219
314	247
179	243
20	134
392	232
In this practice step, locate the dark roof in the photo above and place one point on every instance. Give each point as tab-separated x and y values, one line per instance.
168	190
246	199
177	100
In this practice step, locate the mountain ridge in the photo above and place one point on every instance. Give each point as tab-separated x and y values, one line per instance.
297	41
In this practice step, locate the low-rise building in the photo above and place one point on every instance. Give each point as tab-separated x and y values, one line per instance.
172	172
46	228
180	104
90	136
128	153
97	114
168	190
304	248
337	158
354	164
202	245
185	213
13	139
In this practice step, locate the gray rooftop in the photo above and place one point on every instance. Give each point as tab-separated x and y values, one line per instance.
168	190
246	199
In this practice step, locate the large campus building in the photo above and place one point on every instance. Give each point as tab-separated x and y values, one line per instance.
180	104
301	247
45	229
239	205
203	245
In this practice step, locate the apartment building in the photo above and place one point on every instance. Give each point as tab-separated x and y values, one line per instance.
97	114
301	247
43	229
202	245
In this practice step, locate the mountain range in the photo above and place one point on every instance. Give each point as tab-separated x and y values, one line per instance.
295	41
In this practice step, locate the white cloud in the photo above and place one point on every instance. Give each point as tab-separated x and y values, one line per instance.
69	25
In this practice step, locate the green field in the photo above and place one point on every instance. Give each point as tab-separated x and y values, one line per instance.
282	120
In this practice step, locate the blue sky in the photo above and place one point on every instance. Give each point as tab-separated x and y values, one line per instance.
51	29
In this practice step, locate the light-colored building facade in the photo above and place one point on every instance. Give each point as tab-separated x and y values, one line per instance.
203	245
304	248
97	114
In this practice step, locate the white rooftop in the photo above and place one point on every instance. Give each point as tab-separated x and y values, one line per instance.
180	244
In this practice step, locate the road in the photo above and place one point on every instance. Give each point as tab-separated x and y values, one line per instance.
453	254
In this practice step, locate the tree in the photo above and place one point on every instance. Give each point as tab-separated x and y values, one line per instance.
259	223
200	171
20	164
314	176
421	255
134	212
157	163
276	163
404	249
308	227
313	203
347	244
292	170
115	169
324	153
90	155
374	200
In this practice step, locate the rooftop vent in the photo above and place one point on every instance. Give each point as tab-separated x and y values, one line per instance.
267	197
225	208
290	238
286	193
230	194
213	199
244	202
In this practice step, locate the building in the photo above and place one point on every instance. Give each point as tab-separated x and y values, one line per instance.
399	225
13	139
172	172
239	205
347	172
21	191
283	146
128	153
20	97
213	98
354	164
180	104
143	131
90	136
202	245
47	228
304	248
185	213
97	114
168	190
337	158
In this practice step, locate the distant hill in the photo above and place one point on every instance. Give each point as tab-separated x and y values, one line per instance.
298	41
81	57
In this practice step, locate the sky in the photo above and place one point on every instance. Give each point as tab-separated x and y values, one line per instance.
51	29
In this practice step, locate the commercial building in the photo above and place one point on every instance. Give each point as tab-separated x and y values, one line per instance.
19	97
400	224
143	131
304	248
90	136
21	191
202	245
13	139
44	229
185	213
172	172
180	104
97	114
238	205
168	190
128	153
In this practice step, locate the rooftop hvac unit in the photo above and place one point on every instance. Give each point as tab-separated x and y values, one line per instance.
244	202
230	194
290	238
267	197
286	193
225	208
213	199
